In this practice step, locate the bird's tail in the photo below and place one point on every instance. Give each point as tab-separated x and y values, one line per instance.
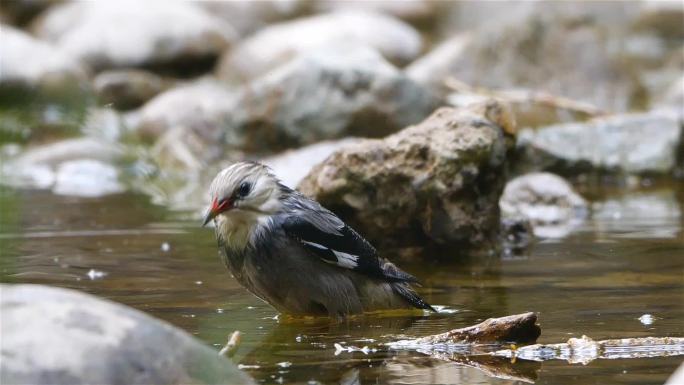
407	293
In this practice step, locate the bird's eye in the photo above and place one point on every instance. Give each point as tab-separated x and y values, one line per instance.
244	189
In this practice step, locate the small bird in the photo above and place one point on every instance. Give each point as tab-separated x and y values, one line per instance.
296	255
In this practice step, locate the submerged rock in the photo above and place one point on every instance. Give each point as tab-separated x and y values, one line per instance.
547	201
433	184
279	43
28	62
633	143
325	94
60	336
126	89
129	33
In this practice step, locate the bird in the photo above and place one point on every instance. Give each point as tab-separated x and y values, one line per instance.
296	255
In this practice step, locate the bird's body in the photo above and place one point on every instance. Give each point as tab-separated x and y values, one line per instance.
296	255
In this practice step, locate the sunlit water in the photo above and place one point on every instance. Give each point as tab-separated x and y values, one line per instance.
597	281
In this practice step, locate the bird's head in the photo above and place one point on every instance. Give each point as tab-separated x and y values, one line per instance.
244	188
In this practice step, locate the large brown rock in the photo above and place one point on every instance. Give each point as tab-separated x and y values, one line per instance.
433	184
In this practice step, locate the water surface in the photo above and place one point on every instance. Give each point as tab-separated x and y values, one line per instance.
625	262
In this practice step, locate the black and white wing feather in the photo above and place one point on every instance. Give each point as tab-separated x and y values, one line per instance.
328	237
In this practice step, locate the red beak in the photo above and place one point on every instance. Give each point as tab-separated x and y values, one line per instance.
216	209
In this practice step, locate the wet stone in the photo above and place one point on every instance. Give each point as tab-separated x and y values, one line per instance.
547	201
59	336
418	187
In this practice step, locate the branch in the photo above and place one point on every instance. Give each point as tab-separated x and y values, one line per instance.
519	328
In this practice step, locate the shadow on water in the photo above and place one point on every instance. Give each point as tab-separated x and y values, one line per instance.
623	263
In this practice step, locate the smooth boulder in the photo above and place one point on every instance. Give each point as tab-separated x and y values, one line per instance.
433	184
59	336
328	93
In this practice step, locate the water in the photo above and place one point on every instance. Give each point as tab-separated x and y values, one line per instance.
599	281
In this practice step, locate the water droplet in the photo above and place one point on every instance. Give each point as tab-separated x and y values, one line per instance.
646	319
198	282
219	310
165	247
284	364
95	274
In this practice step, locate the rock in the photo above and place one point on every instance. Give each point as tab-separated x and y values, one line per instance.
250	16
571	60
201	107
279	43
547	201
126	89
674	98
530	108
130	33
417	12
292	166
517	234
31	63
325	94
21	12
665	18
433	184
60	336
633	143
86	178
80	167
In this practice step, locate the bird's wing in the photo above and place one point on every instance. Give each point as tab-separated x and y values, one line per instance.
329	238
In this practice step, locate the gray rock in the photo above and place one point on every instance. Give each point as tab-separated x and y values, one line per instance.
129	33
126	89
279	43
325	94
28	62
59	336
573	60
201	106
292	166
433	184
547	201
418	12
632	143
249	16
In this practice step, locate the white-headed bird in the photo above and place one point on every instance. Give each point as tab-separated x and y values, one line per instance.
293	253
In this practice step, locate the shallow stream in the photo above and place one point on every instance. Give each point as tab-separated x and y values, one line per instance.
625	262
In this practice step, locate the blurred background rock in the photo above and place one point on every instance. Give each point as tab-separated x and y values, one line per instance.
157	96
